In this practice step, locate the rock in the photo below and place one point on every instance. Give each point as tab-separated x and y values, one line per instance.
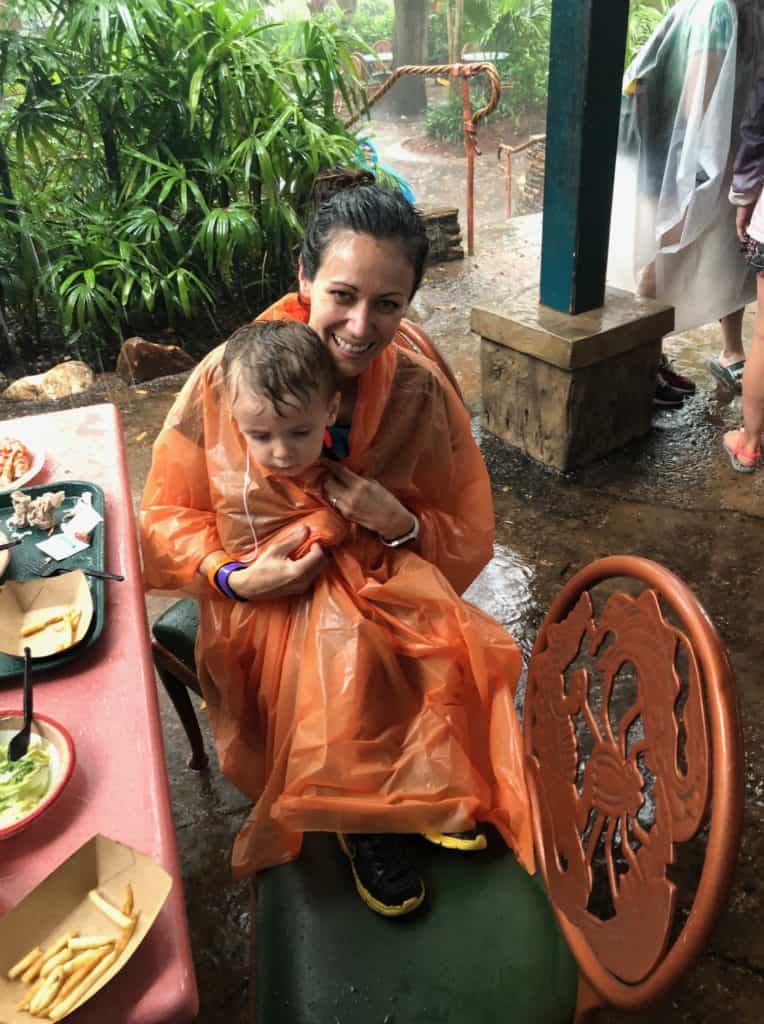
140	360
442	226
419	311
60	381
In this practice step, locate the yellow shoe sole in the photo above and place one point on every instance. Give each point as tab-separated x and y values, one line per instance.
449	842
372	902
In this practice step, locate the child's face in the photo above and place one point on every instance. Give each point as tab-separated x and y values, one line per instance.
289	443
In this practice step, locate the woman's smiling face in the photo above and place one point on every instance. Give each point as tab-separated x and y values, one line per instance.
358	298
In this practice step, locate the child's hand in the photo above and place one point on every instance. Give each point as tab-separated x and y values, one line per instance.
366	502
275	574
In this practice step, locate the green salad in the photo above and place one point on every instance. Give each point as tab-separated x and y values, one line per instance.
23	783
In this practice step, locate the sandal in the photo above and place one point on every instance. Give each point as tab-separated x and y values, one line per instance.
731	376
738	450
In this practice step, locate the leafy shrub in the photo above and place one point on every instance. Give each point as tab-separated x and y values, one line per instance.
160	156
644	18
373	20
445	122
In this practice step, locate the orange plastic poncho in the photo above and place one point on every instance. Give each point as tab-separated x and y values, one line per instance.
379	701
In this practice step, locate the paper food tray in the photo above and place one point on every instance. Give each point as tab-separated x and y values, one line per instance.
33	602
60	904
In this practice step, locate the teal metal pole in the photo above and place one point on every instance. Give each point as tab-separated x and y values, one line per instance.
587	51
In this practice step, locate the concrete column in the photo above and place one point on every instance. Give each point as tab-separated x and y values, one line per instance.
572	378
587	49
569	389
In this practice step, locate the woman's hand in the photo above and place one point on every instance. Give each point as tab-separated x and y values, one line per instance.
275	574
742	220
366	502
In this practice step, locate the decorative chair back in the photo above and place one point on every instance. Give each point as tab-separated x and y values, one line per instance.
634	745
361	66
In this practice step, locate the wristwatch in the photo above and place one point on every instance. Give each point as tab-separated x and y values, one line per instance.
397	542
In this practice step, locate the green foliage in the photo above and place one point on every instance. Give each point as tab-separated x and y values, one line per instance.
160	156
644	18
445	121
374	19
519	29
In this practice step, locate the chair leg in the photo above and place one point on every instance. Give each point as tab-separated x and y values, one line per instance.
252	951
178	694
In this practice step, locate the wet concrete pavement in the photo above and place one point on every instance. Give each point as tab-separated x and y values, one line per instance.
671	496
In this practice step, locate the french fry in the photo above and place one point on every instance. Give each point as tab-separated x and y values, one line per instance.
23	1003
127	934
58	945
55	961
38	627
115	915
24	963
63	1007
47	993
127	902
95	956
32	972
85	959
78	977
89	942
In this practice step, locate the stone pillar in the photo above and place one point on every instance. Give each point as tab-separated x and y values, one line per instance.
569	389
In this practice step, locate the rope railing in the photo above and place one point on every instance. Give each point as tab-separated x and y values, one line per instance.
508	152
465	72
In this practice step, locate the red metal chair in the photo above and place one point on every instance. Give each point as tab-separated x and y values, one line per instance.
634	745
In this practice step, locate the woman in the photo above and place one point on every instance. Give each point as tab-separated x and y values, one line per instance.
743	446
349	688
672	235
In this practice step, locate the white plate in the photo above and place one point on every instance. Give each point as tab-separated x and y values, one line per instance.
47	732
38	461
5	556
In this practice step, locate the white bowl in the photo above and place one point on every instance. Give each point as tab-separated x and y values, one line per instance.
5	556
38	461
58	741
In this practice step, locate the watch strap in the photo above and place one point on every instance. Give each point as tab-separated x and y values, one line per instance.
406	538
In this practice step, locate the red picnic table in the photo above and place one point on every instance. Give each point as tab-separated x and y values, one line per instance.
107	701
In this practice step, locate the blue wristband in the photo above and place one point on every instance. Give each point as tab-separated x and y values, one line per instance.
221	579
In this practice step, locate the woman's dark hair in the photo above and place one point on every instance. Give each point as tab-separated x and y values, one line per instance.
349	200
283	360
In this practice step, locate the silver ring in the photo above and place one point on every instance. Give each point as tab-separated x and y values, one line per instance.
333	502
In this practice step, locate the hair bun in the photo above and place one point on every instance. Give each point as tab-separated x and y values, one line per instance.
339	179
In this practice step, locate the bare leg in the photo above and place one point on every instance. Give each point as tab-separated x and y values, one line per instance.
647	284
732	338
747	440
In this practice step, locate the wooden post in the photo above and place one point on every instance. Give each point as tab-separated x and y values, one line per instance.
587	51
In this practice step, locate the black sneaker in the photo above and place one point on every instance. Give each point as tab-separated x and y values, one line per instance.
466	842
674	378
386	880
666	396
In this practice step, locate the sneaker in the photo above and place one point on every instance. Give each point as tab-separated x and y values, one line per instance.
676	380
386	880
666	396
467	842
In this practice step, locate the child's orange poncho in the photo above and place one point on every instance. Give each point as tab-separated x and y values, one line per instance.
379	701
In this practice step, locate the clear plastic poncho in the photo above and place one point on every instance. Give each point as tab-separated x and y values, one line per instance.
673	229
379	701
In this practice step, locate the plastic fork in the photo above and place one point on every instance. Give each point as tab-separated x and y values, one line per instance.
20	742
50	567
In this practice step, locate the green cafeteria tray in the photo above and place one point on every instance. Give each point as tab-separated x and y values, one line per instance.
27	552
